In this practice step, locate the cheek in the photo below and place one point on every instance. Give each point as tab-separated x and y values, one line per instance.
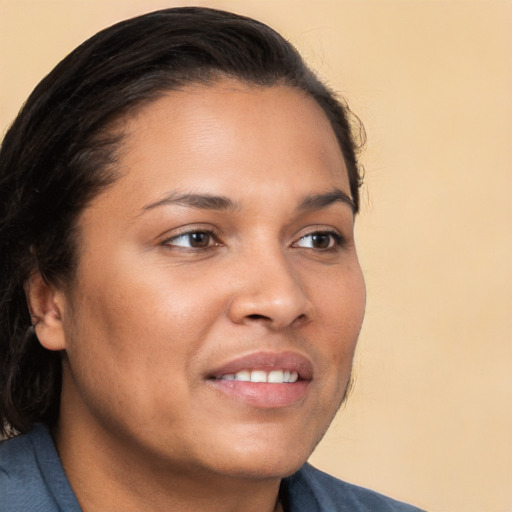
141	328
132	348
340	307
340	299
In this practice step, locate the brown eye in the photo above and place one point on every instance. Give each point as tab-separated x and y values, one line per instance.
320	241
192	240
199	239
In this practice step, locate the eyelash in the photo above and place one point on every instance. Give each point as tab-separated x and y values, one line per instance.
336	240
188	234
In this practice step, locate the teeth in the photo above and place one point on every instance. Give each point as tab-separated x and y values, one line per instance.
274	376
243	375
258	376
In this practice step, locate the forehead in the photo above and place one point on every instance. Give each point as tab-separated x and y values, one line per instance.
229	139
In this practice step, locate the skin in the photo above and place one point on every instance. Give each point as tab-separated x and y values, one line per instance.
148	316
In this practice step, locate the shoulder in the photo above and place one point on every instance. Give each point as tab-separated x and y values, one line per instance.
312	490
31	476
18	464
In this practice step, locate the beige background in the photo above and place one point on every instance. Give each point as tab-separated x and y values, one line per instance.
430	419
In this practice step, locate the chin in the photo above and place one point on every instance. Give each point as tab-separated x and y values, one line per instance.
262	469
264	461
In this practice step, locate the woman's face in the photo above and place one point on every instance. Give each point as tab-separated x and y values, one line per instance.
224	252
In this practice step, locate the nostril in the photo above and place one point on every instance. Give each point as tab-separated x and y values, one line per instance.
258	317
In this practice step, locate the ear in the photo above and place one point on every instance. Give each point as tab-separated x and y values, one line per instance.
46	305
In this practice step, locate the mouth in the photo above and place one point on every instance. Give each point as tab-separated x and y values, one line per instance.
264	380
272	376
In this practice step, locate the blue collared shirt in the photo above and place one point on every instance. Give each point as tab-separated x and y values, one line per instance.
32	479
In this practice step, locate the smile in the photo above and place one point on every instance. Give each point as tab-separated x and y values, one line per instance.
266	380
273	376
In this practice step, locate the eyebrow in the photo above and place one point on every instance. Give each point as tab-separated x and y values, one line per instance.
319	201
222	203
201	201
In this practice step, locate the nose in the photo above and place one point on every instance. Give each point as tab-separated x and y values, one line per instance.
269	291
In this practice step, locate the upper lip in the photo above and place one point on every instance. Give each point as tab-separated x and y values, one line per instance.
288	361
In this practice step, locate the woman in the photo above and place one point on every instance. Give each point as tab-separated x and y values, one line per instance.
181	294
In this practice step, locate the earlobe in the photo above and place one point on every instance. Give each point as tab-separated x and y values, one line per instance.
46	306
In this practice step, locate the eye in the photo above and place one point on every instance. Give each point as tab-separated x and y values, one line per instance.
192	240
320	240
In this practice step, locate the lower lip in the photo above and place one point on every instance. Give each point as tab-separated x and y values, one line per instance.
261	394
